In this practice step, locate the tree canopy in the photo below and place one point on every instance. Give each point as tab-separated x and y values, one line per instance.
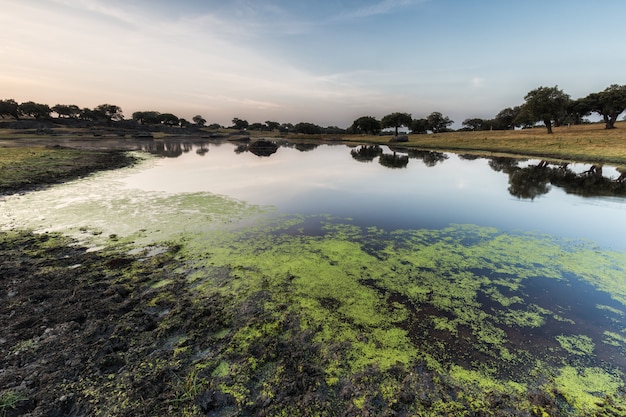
109	112
396	120
71	111
35	110
199	120
545	104
366	124
609	103
9	107
438	123
240	124
308	128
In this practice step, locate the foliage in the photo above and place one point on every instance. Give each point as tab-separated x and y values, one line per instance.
9	107
71	111
169	119
35	110
419	126
240	124
109	112
366	124
506	118
147	117
609	103
199	120
396	120
438	123
307	128
272	125
545	104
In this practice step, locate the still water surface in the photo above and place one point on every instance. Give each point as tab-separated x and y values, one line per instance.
432	190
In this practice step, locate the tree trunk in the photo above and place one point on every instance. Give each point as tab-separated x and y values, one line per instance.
548	124
610	121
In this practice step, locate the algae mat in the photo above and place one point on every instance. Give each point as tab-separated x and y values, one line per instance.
455	321
493	312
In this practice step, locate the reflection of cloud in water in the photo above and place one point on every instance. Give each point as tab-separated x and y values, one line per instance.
101	206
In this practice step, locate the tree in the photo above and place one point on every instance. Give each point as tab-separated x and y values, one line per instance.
578	109
286	128
419	126
147	117
36	110
366	124
257	126
396	120
109	112
307	128
169	119
240	123
199	120
438	123
609	103
9	107
546	104
476	124
506	118
89	114
272	125
70	111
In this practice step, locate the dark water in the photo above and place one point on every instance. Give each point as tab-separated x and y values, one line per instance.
395	188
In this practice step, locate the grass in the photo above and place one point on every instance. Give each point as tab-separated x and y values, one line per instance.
26	166
590	142
9	400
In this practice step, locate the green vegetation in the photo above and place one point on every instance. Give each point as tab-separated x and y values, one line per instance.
22	167
9	400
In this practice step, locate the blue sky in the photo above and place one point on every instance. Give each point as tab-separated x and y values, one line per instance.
326	62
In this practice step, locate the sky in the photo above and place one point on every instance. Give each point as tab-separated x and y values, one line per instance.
325	62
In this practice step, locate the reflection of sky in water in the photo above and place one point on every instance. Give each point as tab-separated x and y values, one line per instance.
328	180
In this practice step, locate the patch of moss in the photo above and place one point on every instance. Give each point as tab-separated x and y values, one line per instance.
587	389
576	344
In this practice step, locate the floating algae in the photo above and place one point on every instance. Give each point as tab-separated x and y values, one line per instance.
459	300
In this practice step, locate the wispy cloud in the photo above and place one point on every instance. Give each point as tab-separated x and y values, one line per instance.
384	7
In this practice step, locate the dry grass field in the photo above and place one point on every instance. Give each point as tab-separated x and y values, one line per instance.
590	142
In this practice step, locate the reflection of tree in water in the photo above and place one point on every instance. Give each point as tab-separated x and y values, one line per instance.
261	147
302	147
168	149
430	158
535	180
306	147
202	150
469	157
366	153
393	160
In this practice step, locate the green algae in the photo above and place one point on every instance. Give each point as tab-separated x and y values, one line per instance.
576	344
586	389
388	299
455	299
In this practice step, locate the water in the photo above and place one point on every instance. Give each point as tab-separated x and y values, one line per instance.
432	191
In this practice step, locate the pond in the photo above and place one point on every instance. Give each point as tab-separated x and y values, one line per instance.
505	275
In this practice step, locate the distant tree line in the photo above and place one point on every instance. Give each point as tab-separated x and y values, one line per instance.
547	105
552	107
